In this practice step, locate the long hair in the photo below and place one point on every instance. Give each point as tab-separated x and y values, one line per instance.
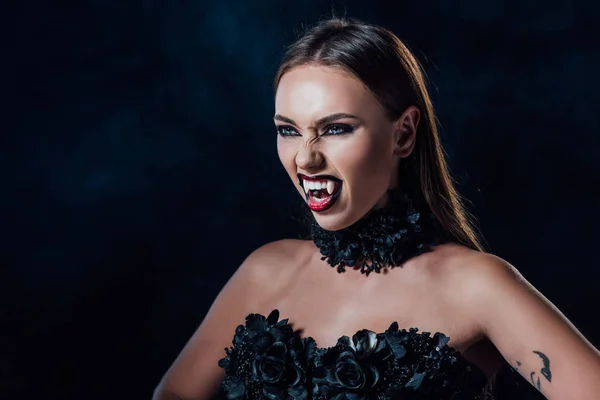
391	72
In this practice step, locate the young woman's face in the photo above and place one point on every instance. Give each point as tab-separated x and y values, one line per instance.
336	143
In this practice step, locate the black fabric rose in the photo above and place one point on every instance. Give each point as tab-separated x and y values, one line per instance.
267	360
272	365
348	372
284	371
351	369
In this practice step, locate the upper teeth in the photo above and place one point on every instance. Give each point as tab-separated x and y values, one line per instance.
316	185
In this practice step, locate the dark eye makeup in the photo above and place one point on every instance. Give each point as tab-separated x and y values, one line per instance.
329	130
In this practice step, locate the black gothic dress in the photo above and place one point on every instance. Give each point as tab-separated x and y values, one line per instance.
268	360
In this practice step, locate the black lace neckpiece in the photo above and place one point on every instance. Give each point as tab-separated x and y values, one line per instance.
385	237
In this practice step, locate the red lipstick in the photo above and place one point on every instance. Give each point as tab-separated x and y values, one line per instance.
320	200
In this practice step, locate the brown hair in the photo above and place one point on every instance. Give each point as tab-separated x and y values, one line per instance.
391	72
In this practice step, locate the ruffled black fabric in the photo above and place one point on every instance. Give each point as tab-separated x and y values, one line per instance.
269	360
385	237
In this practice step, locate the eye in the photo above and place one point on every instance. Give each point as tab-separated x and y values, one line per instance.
338	129
286	131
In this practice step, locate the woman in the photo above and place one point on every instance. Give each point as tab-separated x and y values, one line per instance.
357	136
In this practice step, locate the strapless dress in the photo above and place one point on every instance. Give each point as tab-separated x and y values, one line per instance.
269	360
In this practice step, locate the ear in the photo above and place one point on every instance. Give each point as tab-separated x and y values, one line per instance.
405	132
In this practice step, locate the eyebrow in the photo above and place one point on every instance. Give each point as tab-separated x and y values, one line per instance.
322	121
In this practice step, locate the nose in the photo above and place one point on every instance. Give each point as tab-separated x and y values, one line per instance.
309	158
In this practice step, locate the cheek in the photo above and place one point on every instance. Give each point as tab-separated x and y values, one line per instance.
364	160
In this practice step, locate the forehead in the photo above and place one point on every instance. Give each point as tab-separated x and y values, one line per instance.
312	91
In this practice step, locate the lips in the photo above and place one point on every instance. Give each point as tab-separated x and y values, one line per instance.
321	191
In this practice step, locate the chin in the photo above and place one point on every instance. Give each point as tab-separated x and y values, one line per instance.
335	221
332	223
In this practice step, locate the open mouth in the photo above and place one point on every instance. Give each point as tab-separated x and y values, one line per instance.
321	191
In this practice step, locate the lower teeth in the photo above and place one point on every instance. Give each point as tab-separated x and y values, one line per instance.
320	193
320	198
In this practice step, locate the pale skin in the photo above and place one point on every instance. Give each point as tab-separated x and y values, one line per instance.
486	307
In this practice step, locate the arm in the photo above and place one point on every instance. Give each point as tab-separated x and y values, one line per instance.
534	337
195	374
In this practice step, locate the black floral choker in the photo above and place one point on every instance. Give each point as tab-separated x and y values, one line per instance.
384	237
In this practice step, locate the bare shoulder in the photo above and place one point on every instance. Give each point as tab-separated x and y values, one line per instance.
461	267
273	260
277	250
465	277
475	282
195	373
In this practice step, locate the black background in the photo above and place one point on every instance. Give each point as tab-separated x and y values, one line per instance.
140	165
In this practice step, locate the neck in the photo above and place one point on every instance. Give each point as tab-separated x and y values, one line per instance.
384	238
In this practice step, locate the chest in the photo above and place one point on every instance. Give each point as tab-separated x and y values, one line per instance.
327	307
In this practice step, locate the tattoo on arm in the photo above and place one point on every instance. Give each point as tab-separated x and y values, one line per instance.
545	371
518	365
535	384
